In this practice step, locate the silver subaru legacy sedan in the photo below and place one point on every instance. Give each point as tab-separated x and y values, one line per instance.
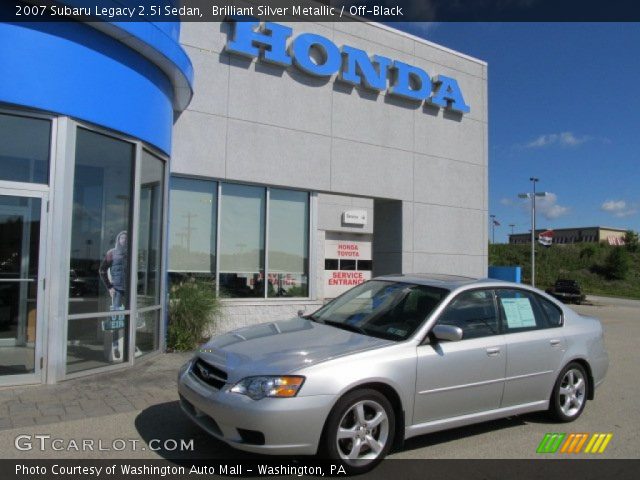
392	358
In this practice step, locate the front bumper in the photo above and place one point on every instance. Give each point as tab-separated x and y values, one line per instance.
291	426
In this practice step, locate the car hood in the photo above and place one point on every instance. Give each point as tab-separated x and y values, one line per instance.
282	347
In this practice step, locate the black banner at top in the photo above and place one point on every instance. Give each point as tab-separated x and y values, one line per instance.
323	10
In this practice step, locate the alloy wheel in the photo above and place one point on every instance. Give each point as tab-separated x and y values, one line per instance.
363	432
572	392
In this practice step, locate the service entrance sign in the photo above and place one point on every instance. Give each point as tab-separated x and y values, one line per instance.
347	262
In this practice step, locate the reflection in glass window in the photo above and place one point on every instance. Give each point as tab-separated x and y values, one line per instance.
97	342
24	149
242	226
150	230
147	332
192	229
100	257
288	243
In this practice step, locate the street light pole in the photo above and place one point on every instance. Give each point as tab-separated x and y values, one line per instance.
532	196
533	180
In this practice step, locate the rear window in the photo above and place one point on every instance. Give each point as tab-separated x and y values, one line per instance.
554	314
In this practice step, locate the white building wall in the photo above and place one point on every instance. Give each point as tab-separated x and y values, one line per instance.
254	122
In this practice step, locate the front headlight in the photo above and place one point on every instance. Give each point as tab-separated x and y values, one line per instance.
269	386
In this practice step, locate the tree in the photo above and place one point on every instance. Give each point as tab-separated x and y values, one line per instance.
631	240
617	264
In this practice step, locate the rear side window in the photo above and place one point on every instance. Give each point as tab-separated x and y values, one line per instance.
554	314
520	311
474	312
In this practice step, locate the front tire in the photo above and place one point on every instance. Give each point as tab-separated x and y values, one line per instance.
360	430
569	395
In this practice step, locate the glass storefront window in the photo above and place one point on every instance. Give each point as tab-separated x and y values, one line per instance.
97	342
192	229
288	243
147	331
24	149
19	259
150	230
100	254
242	226
149	253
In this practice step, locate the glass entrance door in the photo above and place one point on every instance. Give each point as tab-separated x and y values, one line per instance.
22	225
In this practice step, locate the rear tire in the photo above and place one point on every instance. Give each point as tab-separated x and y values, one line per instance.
359	431
569	395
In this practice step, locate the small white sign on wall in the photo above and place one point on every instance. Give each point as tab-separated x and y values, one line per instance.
354	217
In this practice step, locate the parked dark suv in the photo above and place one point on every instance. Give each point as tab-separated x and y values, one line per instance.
567	291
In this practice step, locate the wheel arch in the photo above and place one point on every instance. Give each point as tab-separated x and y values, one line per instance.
585	364
391	394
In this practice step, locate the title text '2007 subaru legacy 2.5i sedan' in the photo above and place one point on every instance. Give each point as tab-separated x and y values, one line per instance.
392	358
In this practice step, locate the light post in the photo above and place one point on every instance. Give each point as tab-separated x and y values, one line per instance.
533	196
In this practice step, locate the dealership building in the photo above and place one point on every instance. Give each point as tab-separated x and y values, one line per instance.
282	163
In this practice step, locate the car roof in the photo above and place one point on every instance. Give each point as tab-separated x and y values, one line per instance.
450	282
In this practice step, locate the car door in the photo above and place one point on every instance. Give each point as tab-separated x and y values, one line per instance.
462	377
535	345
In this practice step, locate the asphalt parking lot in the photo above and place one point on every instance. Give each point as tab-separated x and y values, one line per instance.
616	410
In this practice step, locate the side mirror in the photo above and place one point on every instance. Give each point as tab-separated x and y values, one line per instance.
447	332
300	313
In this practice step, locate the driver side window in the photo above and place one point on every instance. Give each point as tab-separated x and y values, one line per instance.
474	312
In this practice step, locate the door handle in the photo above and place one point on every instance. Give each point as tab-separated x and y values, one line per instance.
555	342
493	351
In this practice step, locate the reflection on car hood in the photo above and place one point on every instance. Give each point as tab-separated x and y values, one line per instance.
282	347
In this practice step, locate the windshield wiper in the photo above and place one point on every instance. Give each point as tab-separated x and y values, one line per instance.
346	326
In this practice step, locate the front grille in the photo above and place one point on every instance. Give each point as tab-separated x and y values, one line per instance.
209	374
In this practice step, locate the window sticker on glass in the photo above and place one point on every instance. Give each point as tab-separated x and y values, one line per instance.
518	312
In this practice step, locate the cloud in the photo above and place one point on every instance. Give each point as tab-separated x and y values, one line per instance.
547	206
564	139
613	205
506	202
618	208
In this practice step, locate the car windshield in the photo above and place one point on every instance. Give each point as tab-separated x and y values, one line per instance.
384	309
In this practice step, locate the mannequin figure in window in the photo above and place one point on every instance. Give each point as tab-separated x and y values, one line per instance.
113	269
113	272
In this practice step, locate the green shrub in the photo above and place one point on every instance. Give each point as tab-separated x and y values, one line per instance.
193	307
618	264
631	240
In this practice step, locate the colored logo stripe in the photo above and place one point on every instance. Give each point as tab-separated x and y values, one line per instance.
550	442
598	442
574	442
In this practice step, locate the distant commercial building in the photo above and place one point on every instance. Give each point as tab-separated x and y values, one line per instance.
612	236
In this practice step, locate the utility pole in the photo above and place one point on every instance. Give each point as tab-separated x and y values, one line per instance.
189	228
